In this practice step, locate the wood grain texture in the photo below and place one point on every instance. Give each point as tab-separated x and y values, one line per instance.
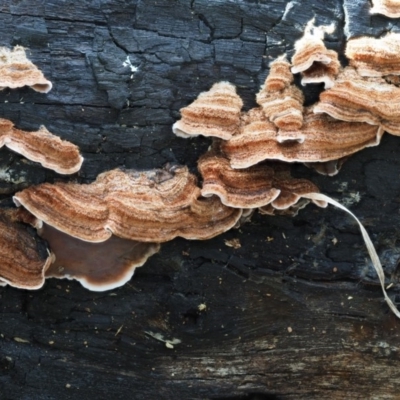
295	313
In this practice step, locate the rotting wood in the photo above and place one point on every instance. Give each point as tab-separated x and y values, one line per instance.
295	313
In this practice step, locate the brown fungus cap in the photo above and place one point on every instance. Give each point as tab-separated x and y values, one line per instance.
47	149
78	210
23	259
284	108
325	139
375	57
214	113
97	266
390	8
253	187
315	62
159	212
291	189
280	77
362	99
41	146
245	188
17	71
149	206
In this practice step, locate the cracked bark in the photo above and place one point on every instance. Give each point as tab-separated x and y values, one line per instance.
295	313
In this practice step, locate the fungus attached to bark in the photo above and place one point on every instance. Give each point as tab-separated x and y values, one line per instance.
390	8
375	57
97	266
24	259
17	71
253	187
75	209
214	113
283	107
148	210
315	62
362	99
292	189
244	188
43	147
326	139
152	206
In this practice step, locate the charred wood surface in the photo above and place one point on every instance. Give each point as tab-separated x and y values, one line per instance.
295	313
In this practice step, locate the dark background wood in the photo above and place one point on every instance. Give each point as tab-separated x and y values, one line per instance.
295	313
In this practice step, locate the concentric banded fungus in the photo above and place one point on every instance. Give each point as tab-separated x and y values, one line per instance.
252	187
291	189
375	57
326	139
247	188
43	147
360	99
154	206
17	71
279	76
97	266
214	113
390	8
23	259
151	211
283	107
75	209
316	63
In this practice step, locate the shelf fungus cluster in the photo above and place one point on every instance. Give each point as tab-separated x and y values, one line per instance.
124	216
359	103
41	146
99	233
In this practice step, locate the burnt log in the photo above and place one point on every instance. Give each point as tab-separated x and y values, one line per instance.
295	312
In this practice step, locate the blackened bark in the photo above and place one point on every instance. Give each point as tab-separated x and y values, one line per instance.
295	313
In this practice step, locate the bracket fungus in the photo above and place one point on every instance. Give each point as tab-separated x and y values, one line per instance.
280	99
253	187
214	113
97	266
132	205
326	139
17	71
362	99
315	62
43	147
24	259
375	57
389	8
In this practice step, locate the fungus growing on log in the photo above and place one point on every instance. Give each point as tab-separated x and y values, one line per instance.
153	206
17	71
244	188
390	8
97	266
362	99
214	113
24	259
375	57
43	147
75	209
326	139
283	107
315	62
252	187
